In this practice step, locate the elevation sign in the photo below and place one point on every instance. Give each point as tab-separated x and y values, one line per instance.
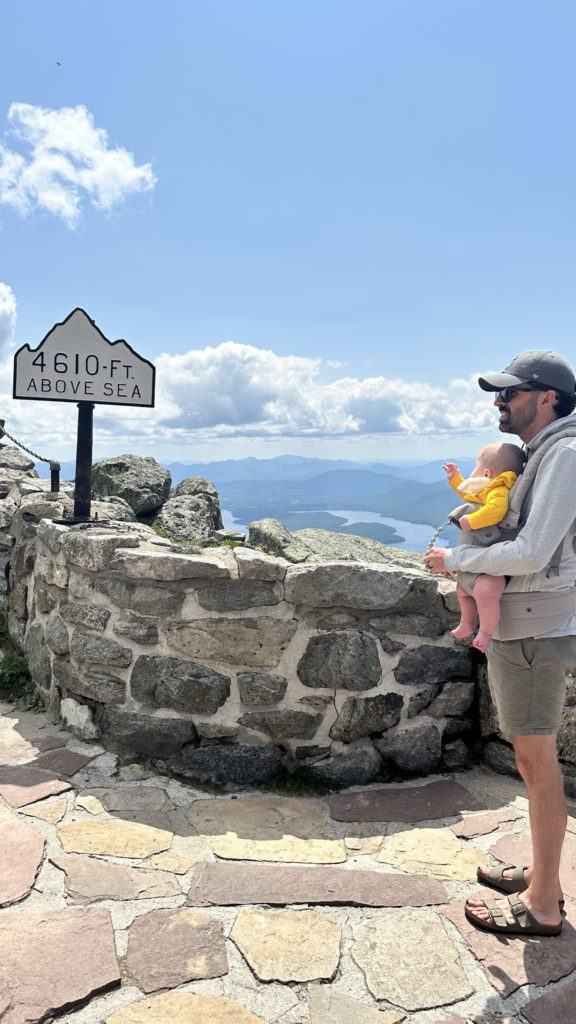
75	362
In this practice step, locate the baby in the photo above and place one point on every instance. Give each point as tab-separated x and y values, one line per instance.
497	467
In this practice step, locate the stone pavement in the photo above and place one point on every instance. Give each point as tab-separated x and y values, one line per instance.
130	898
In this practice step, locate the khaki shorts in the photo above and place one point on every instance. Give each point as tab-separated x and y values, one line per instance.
527	680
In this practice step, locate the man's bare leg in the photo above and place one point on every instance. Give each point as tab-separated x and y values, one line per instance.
537	762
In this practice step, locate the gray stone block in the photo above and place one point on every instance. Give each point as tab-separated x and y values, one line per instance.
89	615
93	551
138	732
347	659
349	585
255	565
421	700
43	598
352	768
37	656
139	628
144	598
230	767
429	664
261	687
238	594
57	635
362	716
217	731
414	749
99	649
98	686
500	758
417	625
257	642
312	752
283	723
457	755
187	686
455	698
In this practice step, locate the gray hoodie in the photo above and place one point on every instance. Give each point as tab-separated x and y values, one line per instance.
526	558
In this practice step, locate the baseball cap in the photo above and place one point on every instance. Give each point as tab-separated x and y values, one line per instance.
534	367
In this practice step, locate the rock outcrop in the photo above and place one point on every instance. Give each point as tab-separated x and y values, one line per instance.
141	481
324	546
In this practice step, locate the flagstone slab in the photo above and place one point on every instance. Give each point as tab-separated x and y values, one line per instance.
442	799
553	1008
517	849
43	743
184	1008
21	785
473	825
51	811
327	1005
510	963
87	802
220	884
113	838
169	861
21	856
167	948
288	945
89	879
14	749
435	852
61	761
133	798
365	838
81	961
267	828
408	959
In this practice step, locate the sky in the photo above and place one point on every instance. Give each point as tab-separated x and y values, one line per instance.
320	220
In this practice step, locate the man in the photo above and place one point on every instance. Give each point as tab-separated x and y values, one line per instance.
535	645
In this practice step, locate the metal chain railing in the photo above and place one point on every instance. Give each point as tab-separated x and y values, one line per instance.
437	534
53	463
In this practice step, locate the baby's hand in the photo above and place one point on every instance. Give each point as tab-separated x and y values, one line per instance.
464	523
450	468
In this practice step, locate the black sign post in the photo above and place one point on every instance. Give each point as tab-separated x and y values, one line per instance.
83	481
75	362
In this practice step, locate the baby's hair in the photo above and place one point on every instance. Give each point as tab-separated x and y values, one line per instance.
503	457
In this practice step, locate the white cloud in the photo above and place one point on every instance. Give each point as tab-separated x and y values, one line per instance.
7	317
70	159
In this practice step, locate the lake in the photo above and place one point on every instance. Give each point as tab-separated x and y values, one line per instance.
417	536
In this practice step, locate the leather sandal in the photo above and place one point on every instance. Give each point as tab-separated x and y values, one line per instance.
496	879
523	923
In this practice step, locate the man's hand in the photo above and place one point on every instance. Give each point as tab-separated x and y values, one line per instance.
434	561
451	469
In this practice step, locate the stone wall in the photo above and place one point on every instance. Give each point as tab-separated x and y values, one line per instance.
227	664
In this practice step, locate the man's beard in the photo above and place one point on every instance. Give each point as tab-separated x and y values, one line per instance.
515	421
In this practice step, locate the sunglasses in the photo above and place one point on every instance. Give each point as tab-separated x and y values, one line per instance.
507	393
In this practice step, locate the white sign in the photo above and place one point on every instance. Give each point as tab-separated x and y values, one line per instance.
76	363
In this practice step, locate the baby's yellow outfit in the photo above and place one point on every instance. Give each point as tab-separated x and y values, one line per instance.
494	498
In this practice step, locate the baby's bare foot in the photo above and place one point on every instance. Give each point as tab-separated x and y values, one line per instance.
463	629
481	641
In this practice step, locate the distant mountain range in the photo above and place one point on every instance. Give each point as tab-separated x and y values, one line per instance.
280	487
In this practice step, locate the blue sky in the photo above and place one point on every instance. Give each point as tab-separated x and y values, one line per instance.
321	220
